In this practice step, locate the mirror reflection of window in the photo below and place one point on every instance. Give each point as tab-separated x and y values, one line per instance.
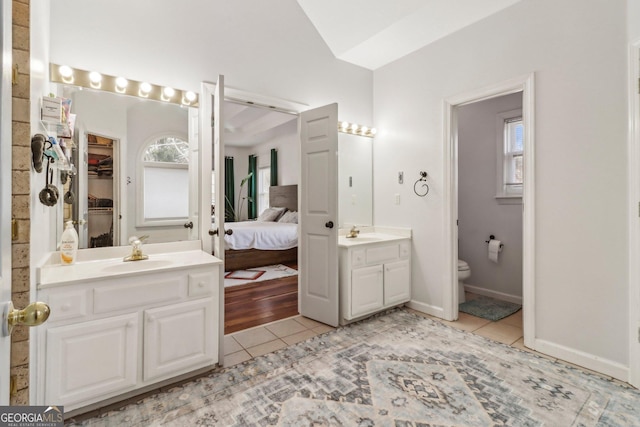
165	166
264	182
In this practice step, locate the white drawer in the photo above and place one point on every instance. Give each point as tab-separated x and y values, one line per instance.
201	283
119	297
382	254
66	305
358	258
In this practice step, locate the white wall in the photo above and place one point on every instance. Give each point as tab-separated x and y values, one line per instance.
268	48
577	49
480	214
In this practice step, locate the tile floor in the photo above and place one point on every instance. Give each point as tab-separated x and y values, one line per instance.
244	345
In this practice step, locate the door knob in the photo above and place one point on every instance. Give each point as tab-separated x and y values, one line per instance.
34	314
329	224
215	232
189	225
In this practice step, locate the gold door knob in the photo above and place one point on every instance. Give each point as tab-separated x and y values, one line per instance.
34	314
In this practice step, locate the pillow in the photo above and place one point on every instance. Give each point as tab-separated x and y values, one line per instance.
271	214
289	217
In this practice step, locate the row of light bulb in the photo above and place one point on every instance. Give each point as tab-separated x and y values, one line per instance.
120	85
356	129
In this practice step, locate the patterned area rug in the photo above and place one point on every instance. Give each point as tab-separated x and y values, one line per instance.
489	308
395	369
259	274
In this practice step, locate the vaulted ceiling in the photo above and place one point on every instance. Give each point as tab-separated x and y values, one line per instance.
373	33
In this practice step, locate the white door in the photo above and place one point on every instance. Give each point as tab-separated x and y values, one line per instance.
5	195
212	160
318	195
192	223
178	338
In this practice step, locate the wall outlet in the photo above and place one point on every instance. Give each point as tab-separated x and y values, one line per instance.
397	199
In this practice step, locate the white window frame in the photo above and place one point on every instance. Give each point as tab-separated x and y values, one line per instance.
506	192
141	220
264	176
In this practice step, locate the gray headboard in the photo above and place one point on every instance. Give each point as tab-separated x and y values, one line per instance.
284	196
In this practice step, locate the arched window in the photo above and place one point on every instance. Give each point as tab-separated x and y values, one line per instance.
165	182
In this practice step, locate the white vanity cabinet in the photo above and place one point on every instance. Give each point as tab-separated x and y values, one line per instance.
114	335
374	275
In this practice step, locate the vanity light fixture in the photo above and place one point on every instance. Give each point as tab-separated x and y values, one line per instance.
356	129
98	81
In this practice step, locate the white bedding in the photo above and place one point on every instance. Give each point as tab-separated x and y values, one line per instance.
264	235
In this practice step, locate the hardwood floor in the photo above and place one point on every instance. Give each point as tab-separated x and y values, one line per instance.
255	304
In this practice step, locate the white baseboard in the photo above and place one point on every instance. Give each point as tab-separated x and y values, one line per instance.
431	310
493	294
586	360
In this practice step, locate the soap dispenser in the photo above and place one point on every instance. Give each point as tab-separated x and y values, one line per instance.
68	244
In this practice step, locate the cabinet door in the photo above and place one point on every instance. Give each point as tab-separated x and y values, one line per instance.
397	282
178	338
366	290
90	361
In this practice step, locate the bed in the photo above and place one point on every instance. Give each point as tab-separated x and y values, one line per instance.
256	243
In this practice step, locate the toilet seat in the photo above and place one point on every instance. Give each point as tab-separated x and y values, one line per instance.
462	266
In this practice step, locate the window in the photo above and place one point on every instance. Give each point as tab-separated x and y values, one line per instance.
264	182
510	154
165	182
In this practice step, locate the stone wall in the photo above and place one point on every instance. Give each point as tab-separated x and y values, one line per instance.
21	166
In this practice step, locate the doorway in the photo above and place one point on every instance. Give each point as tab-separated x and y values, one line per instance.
490	160
522	85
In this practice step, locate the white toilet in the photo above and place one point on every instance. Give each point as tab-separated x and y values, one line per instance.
464	272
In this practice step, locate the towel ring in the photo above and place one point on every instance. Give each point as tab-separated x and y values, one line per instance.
421	188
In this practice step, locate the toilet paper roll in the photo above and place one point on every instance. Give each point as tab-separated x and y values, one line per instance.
495	247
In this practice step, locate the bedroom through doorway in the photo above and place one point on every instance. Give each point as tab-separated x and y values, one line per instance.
261	149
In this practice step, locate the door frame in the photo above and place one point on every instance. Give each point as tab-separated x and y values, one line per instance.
634	213
524	84
5	193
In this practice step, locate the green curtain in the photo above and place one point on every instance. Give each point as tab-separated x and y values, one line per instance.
274	167
229	191
252	188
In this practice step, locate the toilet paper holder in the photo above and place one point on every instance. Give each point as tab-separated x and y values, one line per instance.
492	237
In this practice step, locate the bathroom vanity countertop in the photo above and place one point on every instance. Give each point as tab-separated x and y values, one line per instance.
369	238
52	274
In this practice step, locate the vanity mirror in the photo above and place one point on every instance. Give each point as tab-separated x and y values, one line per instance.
135	160
355	180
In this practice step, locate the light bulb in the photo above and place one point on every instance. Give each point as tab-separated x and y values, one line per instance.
168	93
121	84
373	131
65	71
144	90
190	96
344	125
95	79
364	129
354	127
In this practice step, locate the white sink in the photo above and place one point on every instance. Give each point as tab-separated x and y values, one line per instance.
131	266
